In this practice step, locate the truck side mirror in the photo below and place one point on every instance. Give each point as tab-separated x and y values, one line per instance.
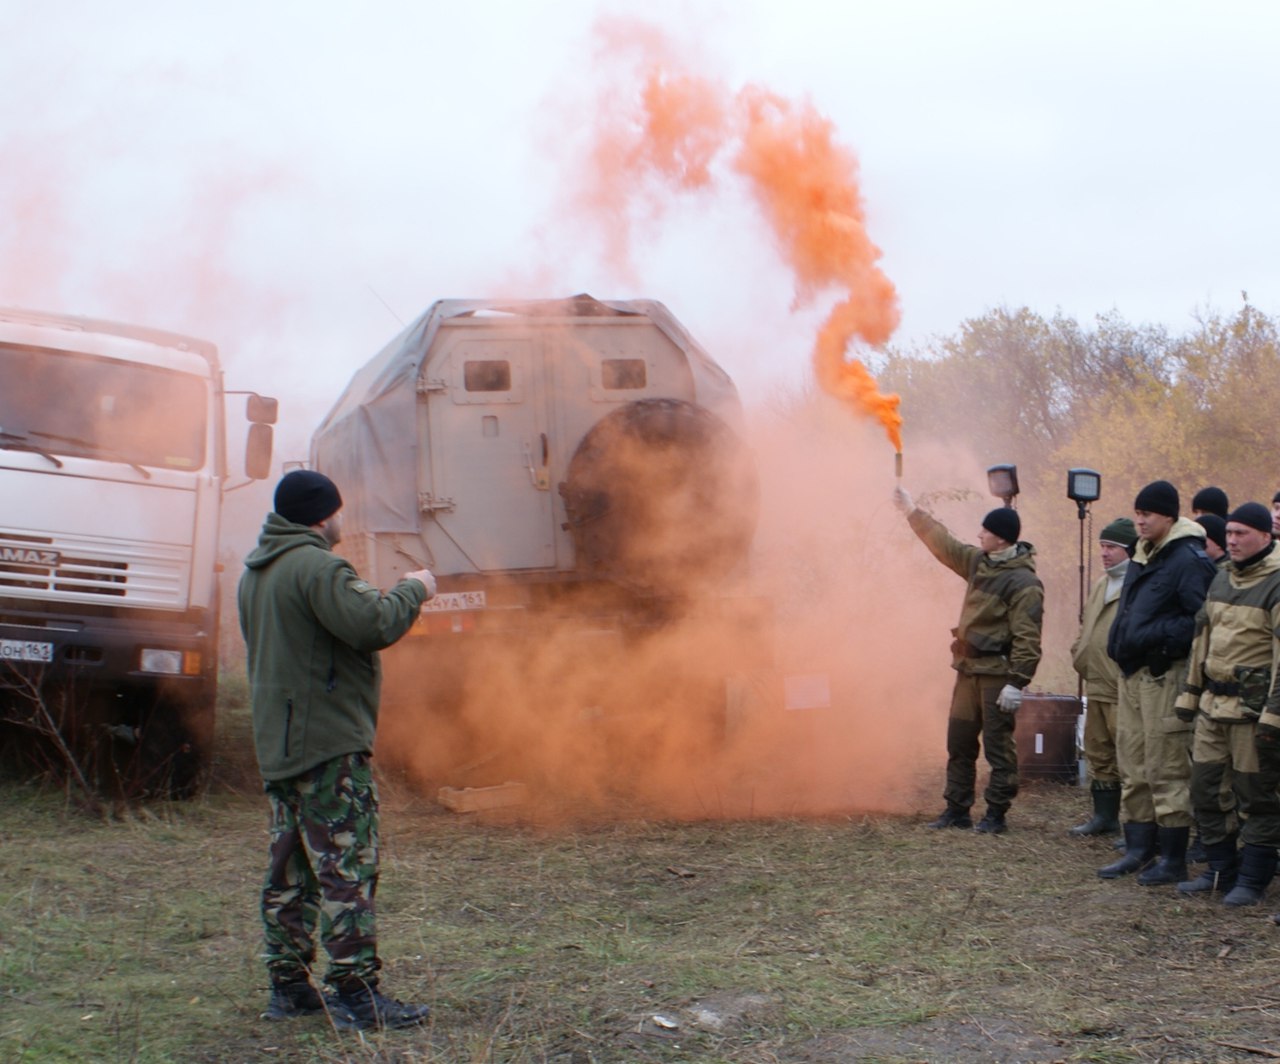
257	452
261	409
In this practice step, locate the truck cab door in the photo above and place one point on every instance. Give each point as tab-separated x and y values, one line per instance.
489	451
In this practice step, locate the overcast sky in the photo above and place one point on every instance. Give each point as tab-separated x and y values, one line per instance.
293	179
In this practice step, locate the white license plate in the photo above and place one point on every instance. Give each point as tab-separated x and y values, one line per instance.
20	650
448	601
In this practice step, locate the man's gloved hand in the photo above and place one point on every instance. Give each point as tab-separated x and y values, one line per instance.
1010	698
425	578
1186	707
902	499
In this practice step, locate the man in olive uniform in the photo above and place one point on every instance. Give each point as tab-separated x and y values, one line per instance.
995	652
313	629
1231	683
1150	639
1101	678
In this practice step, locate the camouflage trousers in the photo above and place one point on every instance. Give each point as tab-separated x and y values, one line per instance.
323	873
974	715
1230	791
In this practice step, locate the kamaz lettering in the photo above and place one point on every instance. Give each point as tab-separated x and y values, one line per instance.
49	559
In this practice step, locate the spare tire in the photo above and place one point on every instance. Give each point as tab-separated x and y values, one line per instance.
662	497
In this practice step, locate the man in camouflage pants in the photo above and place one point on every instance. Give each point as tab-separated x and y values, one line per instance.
1231	695
313	629
995	652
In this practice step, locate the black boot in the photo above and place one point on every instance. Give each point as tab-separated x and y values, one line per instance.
1106	812
365	1009
993	822
292	999
1221	873
954	816
1197	852
1172	866
1139	849
1257	869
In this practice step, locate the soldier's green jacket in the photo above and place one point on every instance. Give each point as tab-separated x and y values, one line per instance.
1237	644
1089	651
1000	620
312	628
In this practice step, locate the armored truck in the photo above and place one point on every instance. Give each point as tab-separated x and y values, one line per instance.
570	469
112	471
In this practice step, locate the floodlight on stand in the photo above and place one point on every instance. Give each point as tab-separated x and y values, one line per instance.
1084	485
1002	482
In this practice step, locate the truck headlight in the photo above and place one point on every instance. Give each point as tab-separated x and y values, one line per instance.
170	662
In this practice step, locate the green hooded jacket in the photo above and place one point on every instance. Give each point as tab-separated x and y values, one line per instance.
313	629
1000	620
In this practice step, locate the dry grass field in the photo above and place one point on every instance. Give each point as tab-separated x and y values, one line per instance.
133	937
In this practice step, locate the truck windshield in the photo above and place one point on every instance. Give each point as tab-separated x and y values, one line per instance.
59	402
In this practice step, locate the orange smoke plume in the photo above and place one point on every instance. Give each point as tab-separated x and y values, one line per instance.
675	124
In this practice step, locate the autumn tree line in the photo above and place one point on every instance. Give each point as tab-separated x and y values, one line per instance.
1134	402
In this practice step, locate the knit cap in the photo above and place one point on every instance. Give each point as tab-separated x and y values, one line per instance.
1212	501
1216	528
1004	522
1158	497
306	497
1252	514
1120	531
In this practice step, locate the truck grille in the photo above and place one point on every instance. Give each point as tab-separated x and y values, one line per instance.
73	569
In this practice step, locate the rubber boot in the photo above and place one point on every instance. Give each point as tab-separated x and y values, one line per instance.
1172	866
1221	873
1197	851
1106	812
954	816
1257	869
1139	849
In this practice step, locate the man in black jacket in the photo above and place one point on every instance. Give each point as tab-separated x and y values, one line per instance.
1150	640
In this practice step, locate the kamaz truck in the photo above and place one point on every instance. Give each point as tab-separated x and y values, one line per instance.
574	473
112	475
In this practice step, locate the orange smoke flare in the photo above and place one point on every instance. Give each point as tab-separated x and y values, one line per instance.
673	125
807	185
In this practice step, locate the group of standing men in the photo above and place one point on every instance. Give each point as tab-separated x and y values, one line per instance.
1179	649
1173	645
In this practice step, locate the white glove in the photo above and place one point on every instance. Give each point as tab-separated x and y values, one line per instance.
902	499
424	577
1010	698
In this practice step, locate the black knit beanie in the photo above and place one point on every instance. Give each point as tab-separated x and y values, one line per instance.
1211	501
1004	522
1216	528
1253	514
306	497
1158	497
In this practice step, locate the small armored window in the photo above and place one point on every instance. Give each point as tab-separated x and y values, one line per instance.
621	373
487	376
